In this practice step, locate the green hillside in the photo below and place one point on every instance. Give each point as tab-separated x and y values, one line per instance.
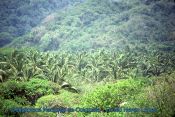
110	24
20	16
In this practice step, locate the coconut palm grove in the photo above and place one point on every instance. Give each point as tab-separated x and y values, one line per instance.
87	58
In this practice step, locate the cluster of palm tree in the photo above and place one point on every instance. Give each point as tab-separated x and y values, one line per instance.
90	66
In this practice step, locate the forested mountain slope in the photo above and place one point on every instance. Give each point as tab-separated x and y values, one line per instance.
104	23
19	16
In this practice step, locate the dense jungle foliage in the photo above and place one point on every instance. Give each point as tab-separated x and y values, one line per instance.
103	54
105	23
20	16
61	79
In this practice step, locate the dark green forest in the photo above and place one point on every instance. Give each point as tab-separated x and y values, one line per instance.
102	54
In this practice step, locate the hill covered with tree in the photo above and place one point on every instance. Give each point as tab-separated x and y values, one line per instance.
105	23
19	17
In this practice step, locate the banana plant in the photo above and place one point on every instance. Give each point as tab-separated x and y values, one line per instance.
14	64
3	75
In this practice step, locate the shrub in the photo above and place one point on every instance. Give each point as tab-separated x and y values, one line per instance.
7	105
36	88
31	90
50	101
160	96
12	88
112	95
